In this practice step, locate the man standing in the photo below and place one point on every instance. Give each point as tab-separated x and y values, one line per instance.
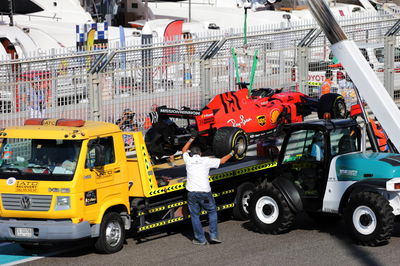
347	90
127	122
327	84
152	117
38	96
199	191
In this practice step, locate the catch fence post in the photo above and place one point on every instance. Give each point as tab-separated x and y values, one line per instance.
94	97
205	81
388	81
302	69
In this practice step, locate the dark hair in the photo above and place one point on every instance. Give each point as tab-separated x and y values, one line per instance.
195	150
328	73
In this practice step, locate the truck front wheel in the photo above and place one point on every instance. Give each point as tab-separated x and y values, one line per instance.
369	218
112	234
269	211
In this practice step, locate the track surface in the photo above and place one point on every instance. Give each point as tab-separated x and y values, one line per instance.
307	244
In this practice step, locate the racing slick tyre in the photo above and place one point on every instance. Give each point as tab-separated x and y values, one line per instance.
333	104
241	209
269	211
369	218
112	234
226	138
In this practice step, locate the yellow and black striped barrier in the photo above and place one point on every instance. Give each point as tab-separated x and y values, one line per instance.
179	203
217	177
179	219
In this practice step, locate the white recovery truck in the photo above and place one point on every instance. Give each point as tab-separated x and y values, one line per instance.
323	167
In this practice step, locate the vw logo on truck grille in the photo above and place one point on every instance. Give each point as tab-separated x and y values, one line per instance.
25	202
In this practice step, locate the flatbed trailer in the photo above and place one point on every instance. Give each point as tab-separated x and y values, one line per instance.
167	203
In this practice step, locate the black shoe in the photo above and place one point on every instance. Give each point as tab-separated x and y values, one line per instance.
215	241
197	242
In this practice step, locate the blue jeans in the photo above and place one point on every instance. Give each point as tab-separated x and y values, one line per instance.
205	200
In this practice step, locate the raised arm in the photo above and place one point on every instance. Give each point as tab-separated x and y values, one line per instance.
187	145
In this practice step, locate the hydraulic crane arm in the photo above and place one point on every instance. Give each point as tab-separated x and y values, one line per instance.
365	79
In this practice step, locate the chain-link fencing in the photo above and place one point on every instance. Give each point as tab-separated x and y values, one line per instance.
188	72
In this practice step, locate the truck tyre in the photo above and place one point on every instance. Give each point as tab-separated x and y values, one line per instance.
269	211
332	103
242	199
226	138
112	234
369	218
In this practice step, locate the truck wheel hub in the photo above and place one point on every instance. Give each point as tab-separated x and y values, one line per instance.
113	233
246	200
267	210
364	220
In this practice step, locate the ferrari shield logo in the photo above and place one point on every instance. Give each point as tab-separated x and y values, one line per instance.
261	120
274	116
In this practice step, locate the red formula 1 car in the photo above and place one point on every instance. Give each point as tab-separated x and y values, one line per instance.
236	118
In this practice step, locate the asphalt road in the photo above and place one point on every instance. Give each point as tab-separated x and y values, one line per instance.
306	244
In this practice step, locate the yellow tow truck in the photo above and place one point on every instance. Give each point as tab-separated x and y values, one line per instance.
63	180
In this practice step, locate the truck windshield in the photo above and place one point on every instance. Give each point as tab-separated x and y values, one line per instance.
39	159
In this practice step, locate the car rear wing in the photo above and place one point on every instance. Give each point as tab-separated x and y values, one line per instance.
172	112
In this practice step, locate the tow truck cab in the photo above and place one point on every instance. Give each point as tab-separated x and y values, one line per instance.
58	184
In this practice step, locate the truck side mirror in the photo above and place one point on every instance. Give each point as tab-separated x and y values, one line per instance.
99	158
96	156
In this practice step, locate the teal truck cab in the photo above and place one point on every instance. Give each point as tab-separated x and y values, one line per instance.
324	170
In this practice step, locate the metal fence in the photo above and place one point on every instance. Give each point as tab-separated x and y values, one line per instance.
100	84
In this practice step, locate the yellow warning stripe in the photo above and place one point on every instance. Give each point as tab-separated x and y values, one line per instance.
159	224
216	195
178	219
147	165
221	208
216	177
180	203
